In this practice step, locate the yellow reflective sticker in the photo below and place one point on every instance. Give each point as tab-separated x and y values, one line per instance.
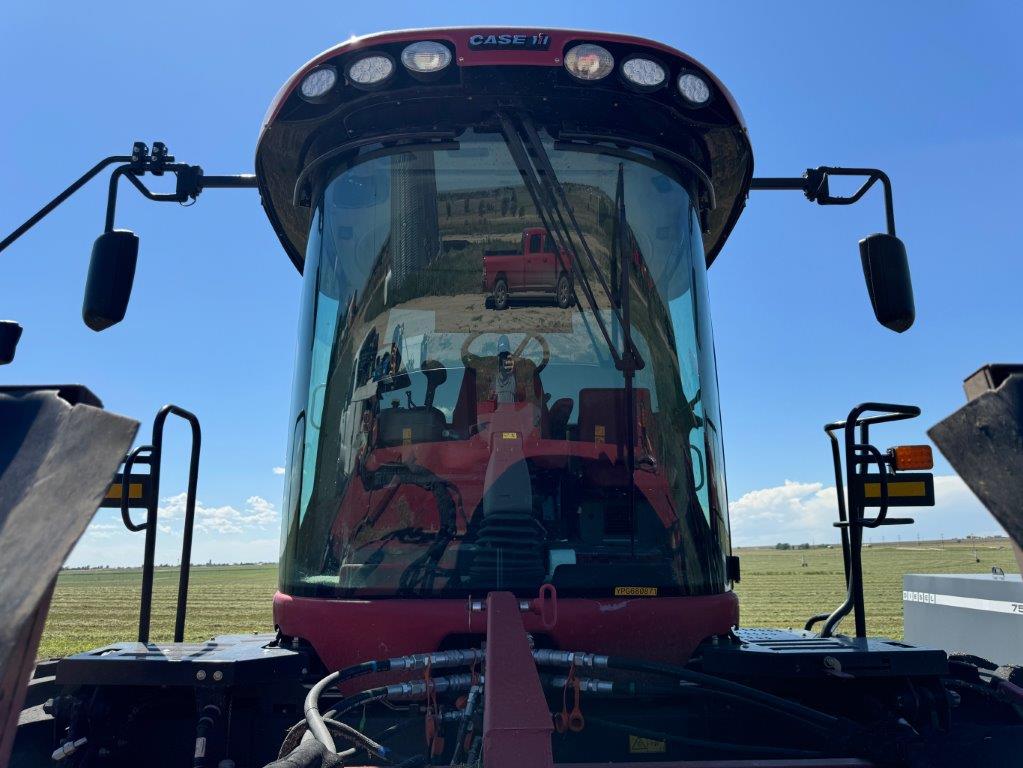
598	433
903	490
134	491
406	436
641	746
635	591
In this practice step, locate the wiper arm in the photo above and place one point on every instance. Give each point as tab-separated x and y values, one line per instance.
556	214
621	246
551	177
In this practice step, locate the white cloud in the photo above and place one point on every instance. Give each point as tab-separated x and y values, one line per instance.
278	470
258	513
224	534
799	512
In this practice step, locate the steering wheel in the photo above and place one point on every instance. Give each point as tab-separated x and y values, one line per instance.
544	346
518	350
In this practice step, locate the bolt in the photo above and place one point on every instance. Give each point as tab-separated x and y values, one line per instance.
200	675
218	675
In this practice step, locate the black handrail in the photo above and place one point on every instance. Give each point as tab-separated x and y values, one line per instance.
129	464
154	459
858	457
193	482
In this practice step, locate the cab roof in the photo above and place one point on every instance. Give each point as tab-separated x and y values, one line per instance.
296	132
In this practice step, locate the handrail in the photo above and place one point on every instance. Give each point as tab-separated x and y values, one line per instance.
852	504
154	459
129	463
193	482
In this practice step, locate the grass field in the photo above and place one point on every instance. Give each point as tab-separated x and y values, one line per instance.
779	588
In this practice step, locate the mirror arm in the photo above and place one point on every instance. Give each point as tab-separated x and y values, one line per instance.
814	184
74	187
190	181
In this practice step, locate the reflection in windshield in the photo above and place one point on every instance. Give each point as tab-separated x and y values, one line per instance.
460	421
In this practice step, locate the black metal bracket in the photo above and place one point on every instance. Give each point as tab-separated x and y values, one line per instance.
190	182
815	185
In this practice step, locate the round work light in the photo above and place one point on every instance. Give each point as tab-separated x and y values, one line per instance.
589	62
318	83
371	71
645	74
694	89
425	57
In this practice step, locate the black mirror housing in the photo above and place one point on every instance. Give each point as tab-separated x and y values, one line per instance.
111	275
886	270
10	332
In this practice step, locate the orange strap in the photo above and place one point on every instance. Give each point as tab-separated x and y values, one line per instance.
574	720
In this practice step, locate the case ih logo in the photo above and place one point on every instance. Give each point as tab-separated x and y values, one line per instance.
510	42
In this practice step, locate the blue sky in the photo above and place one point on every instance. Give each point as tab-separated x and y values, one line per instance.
932	98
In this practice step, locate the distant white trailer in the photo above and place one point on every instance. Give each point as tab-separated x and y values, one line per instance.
981	614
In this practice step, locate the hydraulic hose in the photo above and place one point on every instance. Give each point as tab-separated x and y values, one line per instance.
727	686
311	710
709	682
437	660
209	717
645	689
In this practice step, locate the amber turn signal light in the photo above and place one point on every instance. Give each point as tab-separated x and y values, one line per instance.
911	457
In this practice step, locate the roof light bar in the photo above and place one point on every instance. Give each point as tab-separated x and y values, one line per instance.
589	62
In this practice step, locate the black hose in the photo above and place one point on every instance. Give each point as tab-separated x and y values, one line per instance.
295	735
349	703
208	719
311	710
710	682
644	689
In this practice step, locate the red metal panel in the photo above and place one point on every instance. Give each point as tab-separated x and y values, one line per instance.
516	722
345	632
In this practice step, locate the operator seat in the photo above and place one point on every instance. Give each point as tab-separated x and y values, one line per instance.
476	400
417	424
602	422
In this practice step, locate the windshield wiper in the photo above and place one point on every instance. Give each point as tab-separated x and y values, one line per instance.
554	208
556	214
622	248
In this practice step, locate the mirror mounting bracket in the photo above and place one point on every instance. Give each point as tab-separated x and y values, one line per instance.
190	181
814	183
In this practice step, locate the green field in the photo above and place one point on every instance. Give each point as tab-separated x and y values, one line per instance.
779	588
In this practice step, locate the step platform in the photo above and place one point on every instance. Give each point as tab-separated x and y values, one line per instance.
227	660
781	653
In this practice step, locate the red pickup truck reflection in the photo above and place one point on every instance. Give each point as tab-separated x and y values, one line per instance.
533	268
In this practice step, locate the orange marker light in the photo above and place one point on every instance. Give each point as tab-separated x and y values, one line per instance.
911	457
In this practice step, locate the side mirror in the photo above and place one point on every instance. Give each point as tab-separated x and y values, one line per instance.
886	270
10	332
111	274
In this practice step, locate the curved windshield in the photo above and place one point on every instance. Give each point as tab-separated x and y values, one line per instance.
469	412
